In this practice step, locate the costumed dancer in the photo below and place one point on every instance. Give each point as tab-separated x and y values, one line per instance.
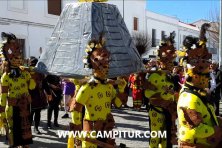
96	96
15	99
198	125
160	91
136	84
78	83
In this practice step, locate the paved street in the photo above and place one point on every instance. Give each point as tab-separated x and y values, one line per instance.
126	119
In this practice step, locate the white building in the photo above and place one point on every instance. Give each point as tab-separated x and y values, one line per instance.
33	21
160	25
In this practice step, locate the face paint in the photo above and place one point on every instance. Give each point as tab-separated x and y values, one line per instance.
100	62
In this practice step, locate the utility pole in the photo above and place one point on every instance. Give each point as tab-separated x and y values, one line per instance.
123	9
220	38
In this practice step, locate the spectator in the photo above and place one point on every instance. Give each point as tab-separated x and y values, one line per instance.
68	93
39	101
52	87
217	89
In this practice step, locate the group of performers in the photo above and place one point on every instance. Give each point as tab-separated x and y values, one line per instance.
198	124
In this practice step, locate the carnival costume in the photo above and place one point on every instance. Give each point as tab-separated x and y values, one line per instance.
136	84
97	95
198	125
159	90
15	99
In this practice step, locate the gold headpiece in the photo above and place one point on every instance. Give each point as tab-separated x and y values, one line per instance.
166	52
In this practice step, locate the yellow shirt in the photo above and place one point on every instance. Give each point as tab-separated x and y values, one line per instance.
16	86
97	100
203	130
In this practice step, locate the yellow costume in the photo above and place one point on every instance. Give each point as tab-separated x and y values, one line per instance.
97	101
198	125
97	96
15	90
160	100
14	98
198	133
160	92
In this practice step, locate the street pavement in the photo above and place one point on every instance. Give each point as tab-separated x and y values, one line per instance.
126	119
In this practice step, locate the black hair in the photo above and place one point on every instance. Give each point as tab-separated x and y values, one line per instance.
8	36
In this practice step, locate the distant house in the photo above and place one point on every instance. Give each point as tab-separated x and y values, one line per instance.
159	26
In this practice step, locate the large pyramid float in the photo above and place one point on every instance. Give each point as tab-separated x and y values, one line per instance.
77	25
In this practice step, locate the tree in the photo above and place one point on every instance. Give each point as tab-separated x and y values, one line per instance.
142	42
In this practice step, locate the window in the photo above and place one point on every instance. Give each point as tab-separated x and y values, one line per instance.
162	35
135	23
18	6
54	7
153	37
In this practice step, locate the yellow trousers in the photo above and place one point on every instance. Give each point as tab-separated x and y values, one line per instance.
157	123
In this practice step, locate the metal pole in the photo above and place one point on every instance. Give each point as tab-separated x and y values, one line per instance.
123	9
220	38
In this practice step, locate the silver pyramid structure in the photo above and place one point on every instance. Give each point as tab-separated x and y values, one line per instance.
77	25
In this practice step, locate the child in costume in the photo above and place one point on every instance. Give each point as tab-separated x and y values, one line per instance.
15	99
160	91
198	125
97	95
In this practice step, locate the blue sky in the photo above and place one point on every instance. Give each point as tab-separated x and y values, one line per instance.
186	10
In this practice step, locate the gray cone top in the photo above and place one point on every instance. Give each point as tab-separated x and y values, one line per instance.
77	25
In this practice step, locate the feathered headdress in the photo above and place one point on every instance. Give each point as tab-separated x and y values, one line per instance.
196	53
166	50
203	30
96	53
6	38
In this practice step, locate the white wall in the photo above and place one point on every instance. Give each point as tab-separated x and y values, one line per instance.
35	36
185	30
160	23
27	10
168	24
